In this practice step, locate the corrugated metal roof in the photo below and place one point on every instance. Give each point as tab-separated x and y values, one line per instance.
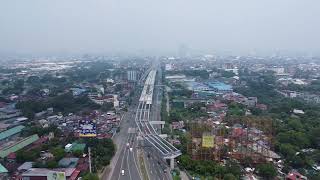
3	169
5	151
68	162
26	166
10	132
76	146
44	172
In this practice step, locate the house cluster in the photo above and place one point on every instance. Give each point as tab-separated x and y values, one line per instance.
10	116
12	141
247	101
68	167
98	124
309	97
102	99
217	110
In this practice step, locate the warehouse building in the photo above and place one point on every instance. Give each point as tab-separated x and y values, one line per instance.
5	135
12	147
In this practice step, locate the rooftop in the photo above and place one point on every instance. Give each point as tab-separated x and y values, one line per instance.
220	86
10	132
68	162
196	85
44	172
77	147
6	150
3	169
26	166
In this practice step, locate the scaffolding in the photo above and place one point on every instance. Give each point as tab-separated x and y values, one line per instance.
251	138
197	148
243	138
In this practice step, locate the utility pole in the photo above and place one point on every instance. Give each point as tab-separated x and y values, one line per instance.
89	150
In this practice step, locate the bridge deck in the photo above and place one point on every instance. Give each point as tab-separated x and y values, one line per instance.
143	120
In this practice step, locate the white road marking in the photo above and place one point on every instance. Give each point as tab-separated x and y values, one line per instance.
128	164
135	162
123	157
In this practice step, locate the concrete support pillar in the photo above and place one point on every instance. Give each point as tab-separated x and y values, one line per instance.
172	163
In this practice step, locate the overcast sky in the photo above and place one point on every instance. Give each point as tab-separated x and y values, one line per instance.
86	26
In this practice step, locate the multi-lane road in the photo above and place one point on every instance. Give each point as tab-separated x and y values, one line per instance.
126	155
127	166
136	121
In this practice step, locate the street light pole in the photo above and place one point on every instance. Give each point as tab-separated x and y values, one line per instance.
89	150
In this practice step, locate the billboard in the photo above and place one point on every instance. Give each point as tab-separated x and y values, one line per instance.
207	141
87	128
56	176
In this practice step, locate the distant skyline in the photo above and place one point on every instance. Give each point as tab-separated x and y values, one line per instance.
142	26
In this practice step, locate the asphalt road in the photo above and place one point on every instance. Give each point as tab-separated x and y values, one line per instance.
156	166
127	162
125	159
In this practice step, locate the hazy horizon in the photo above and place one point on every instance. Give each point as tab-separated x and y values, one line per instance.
109	26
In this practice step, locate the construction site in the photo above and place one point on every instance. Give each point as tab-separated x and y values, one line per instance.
242	138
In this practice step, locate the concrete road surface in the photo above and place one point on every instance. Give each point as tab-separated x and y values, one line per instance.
124	159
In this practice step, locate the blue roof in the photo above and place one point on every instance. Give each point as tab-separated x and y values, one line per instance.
220	86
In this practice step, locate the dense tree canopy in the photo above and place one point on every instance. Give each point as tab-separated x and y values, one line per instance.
267	171
64	103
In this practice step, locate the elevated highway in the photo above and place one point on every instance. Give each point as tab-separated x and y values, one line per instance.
146	129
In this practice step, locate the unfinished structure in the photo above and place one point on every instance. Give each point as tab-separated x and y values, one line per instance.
245	138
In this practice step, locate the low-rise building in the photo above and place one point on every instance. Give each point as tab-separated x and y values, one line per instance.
10	147
68	162
177	125
295	176
4	135
48	174
3	172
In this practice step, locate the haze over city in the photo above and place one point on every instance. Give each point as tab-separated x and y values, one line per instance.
159	90
155	27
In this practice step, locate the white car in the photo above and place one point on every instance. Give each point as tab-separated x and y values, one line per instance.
122	172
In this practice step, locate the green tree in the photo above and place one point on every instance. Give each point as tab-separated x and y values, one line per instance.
90	176
267	171
33	80
220	171
186	162
58	153
229	176
77	153
234	168
107	106
287	150
52	164
295	124
299	139
227	74
102	152
23	156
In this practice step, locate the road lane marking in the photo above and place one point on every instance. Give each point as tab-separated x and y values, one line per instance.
134	159
128	164
123	156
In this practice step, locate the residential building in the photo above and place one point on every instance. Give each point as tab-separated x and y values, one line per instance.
132	75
